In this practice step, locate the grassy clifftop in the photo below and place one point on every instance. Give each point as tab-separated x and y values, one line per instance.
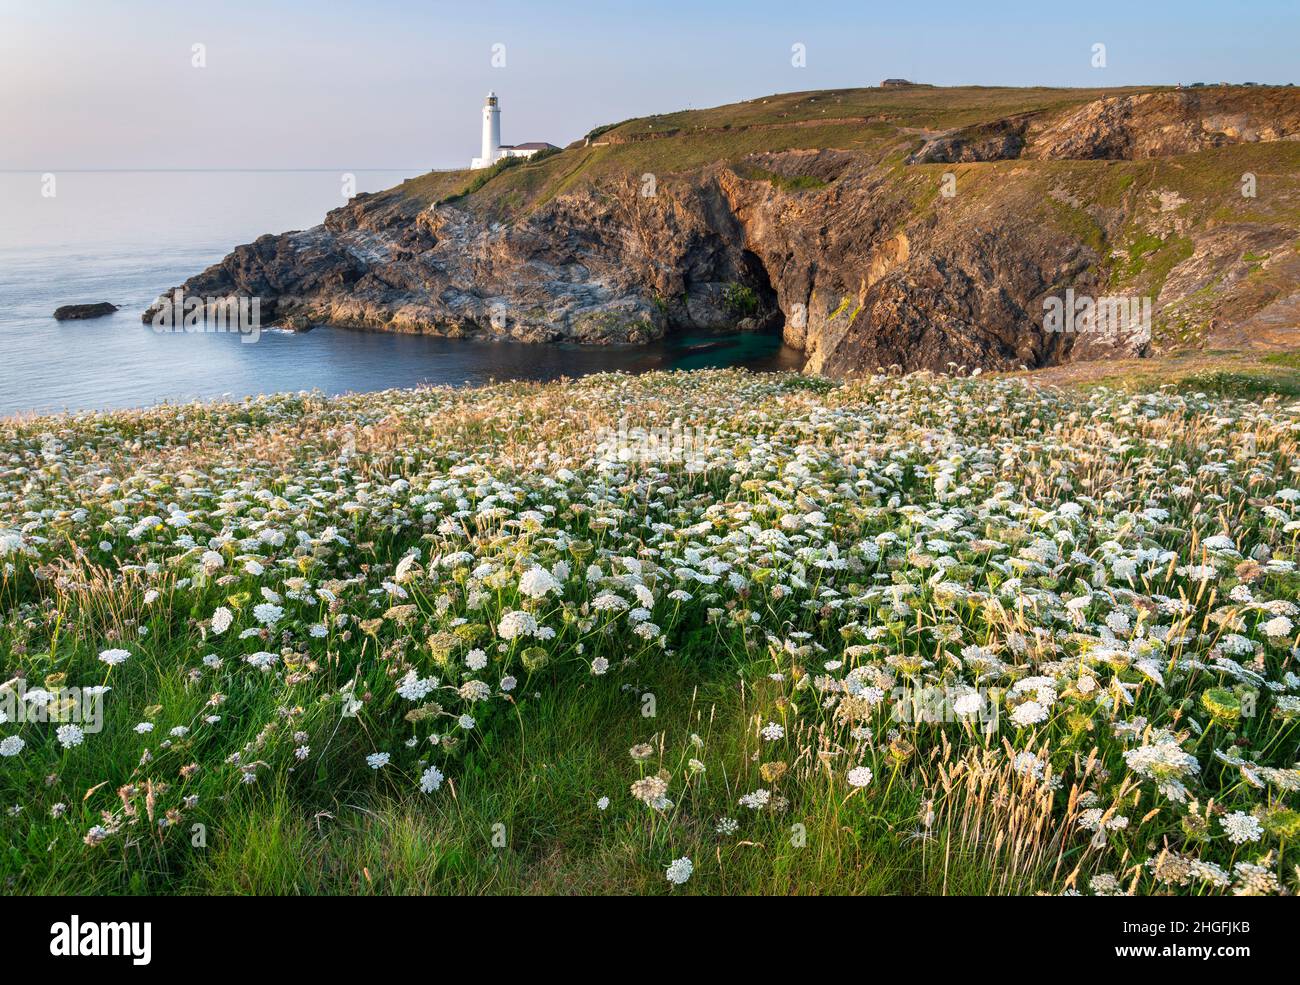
849	119
889	123
919	106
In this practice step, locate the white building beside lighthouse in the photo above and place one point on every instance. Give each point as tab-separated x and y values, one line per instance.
493	149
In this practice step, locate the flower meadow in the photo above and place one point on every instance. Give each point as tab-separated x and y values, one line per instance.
908	634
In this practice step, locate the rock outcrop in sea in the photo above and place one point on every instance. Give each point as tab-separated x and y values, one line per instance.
76	312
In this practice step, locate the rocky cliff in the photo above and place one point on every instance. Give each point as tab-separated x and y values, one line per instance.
918	228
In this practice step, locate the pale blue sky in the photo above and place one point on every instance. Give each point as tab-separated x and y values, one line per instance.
350	85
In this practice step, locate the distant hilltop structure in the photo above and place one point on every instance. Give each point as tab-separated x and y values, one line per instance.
894	83
493	149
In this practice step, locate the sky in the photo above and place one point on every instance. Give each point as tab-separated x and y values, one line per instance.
334	84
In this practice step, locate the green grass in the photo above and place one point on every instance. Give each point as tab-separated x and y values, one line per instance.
740	300
878	122
958	106
1145	244
1216	373
483	175
531	791
787	183
1079	224
1241	385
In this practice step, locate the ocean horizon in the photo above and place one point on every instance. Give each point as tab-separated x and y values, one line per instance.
128	236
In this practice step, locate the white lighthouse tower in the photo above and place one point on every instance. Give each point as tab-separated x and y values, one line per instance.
493	149
491	133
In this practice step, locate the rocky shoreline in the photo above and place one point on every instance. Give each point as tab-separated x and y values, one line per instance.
861	255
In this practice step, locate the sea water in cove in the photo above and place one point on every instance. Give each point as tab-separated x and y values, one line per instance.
126	237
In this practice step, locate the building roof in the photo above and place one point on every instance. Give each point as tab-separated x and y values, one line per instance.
531	145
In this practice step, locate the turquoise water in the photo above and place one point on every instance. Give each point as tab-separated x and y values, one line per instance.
126	237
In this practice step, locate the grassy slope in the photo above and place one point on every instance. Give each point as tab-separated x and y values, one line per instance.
1215	372
851	119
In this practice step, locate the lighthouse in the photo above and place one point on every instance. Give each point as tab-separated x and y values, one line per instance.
493	149
491	130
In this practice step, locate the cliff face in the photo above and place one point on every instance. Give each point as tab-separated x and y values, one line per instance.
874	238
593	266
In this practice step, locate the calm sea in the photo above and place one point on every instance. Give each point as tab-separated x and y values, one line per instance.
126	237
